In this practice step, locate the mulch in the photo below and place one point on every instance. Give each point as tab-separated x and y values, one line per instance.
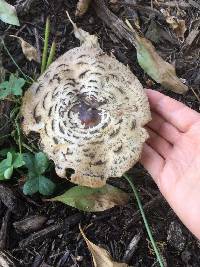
38	233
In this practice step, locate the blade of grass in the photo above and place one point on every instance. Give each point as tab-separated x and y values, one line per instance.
159	257
45	49
15	63
51	54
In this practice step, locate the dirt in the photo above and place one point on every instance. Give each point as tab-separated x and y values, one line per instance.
53	239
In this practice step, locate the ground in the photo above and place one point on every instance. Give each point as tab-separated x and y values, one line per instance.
57	241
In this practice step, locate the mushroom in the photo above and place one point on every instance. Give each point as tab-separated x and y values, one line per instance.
89	110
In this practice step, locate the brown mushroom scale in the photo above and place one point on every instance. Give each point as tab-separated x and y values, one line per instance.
89	110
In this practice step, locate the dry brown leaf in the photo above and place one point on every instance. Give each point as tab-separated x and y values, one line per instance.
100	256
181	29
157	68
93	199
82	7
28	50
178	25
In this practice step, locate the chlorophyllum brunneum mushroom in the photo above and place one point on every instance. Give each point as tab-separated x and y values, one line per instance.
89	110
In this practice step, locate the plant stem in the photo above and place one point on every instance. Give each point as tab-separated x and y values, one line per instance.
18	133
45	49
159	257
15	63
51	54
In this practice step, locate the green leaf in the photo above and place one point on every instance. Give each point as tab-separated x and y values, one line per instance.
29	161
37	165
46	186
18	160
13	86
39	184
93	199
14	160
3	167
41	162
31	186
8	13
17	84
9	158
8	173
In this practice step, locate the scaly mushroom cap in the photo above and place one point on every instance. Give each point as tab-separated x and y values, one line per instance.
89	110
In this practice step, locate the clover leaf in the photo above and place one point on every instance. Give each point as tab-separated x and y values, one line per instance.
11	87
13	161
37	165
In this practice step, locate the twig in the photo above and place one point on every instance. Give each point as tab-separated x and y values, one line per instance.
23	7
37	44
51	230
196	95
112	21
132	246
149	205
4	230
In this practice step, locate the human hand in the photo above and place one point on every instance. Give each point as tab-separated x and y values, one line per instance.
172	156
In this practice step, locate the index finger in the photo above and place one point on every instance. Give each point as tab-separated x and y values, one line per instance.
176	113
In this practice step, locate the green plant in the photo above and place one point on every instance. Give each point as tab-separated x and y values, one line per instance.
12	87
47	61
13	161
29	80
37	165
159	257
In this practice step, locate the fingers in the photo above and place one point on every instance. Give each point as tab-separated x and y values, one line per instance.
164	128
152	162
159	144
176	113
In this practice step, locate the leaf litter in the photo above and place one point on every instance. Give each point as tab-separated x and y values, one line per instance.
93	199
148	58
100	256
138	255
82	7
28	50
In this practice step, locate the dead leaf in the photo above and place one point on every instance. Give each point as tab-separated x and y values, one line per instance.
100	256
178	25
93	199
28	50
82	7
181	29
158	69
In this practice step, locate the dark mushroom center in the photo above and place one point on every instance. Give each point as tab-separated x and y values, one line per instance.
89	116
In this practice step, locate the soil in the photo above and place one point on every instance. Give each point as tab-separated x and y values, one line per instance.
52	237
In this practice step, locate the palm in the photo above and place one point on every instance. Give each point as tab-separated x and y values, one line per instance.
172	156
